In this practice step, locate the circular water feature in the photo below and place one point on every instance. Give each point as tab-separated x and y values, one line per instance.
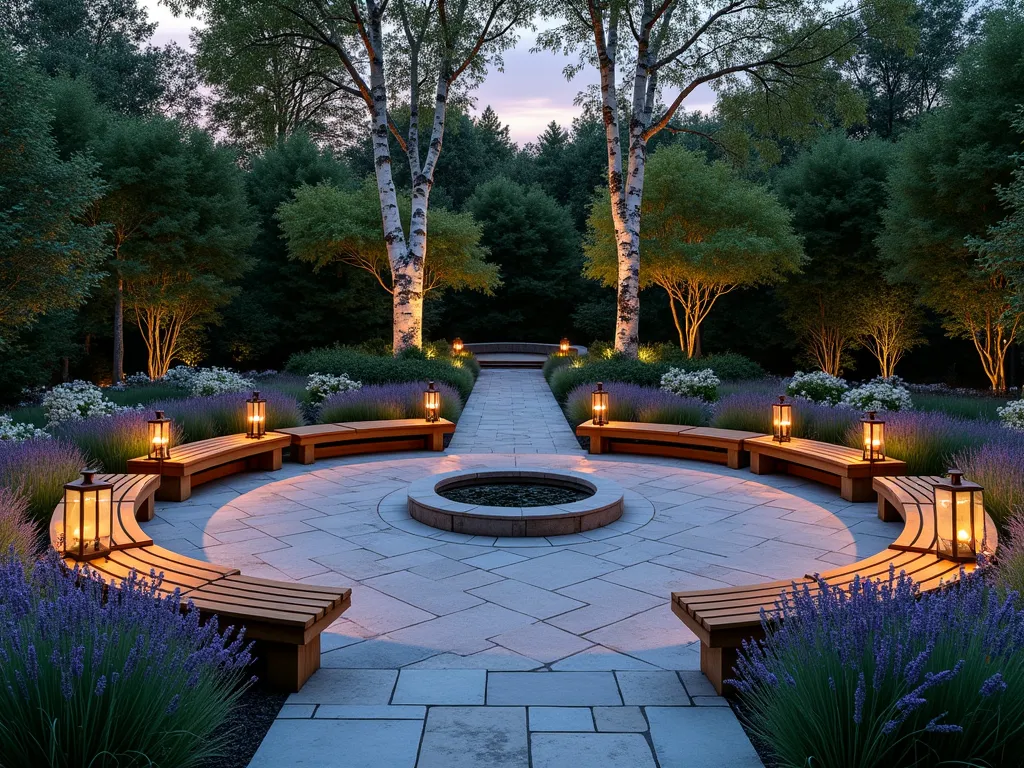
515	502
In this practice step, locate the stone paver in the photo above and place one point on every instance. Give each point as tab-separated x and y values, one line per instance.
561	719
499	624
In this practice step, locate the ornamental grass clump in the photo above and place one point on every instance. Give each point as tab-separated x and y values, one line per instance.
109	677
18	535
108	442
630	402
702	383
880	676
38	470
387	401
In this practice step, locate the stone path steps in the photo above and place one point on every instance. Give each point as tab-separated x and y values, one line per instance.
478	719
513	411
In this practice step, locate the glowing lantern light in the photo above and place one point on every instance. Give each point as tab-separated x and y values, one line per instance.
88	517
782	420
959	518
432	403
255	417
159	437
874	437
599	404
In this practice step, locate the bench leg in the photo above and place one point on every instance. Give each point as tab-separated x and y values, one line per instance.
856	489
304	454
717	664
887	513
145	511
436	441
597	444
737	459
287	667
174	488
269	461
761	464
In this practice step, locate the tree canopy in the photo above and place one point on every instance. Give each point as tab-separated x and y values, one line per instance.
706	232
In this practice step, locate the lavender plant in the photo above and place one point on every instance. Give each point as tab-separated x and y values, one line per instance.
109	677
877	675
18	535
387	401
200	418
631	402
38	469
110	441
998	465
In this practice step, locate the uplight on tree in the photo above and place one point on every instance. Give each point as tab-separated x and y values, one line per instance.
959	518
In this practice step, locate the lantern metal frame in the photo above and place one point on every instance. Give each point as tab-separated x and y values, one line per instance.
599	405
89	517
431	403
255	416
564	346
782	420
159	437
457	346
873	437
960	520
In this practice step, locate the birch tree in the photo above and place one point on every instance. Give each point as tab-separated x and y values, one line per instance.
708	232
778	56
392	53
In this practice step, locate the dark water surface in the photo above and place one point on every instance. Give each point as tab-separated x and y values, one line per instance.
514	494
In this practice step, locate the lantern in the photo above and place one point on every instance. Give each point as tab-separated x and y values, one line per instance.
564	346
599	404
457	346
782	420
874	437
432	403
159	437
255	416
88	517
959	518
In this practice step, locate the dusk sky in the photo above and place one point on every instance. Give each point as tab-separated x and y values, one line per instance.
529	94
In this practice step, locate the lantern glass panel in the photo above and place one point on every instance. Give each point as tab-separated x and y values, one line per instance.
432	403
256	416
874	438
599	405
563	346
88	518
959	520
782	421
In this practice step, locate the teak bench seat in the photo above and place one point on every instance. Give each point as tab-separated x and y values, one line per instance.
320	441
834	465
284	619
723	618
192	464
721	446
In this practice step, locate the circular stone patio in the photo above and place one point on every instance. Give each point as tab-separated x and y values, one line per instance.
476	651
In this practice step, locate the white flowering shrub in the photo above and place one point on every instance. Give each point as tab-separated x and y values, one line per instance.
1012	414
702	384
75	401
322	385
878	395
16	431
179	376
818	387
217	381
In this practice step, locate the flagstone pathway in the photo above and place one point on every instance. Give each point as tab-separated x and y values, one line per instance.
476	652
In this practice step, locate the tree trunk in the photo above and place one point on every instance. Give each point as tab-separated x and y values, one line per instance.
118	373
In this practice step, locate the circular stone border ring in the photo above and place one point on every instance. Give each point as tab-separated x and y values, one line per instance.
604	506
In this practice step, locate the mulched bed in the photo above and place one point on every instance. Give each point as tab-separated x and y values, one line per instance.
248	725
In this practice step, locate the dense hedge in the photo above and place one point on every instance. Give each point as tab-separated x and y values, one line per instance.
563	378
460	373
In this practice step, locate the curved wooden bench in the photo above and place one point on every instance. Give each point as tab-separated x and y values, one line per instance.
834	465
192	464
721	446
284	619
723	618
319	441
